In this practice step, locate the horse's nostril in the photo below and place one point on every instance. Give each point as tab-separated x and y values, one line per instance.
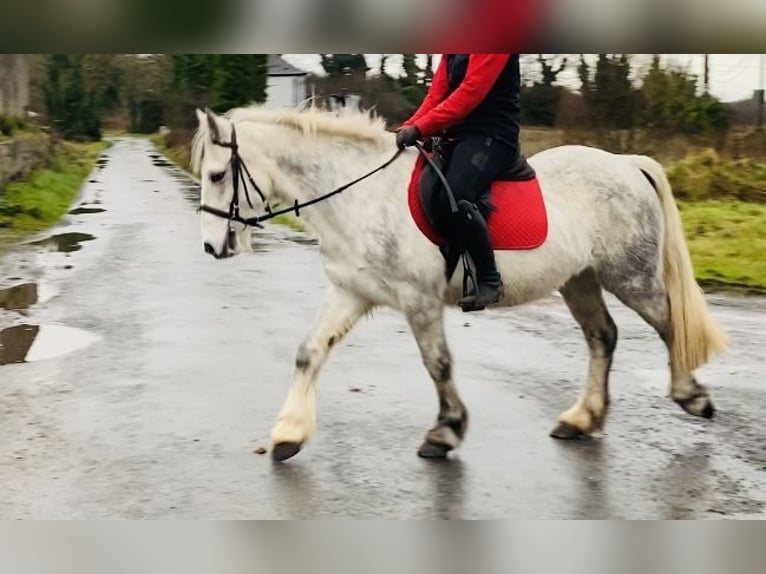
209	249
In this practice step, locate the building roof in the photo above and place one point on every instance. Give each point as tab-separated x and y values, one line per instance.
277	66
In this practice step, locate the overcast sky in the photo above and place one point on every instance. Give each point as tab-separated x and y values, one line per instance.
732	76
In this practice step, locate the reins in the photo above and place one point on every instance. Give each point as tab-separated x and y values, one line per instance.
240	171
296	207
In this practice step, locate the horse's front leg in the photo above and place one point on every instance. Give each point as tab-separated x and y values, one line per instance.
297	419
428	327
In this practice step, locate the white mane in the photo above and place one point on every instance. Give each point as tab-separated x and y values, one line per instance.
312	121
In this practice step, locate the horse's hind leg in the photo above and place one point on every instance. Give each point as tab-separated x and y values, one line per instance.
427	325
297	419
584	298
651	303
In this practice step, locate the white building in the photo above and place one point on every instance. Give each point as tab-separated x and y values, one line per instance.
286	84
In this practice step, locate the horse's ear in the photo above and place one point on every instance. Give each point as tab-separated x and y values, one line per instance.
213	125
201	117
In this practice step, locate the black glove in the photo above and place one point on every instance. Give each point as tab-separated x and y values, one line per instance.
407	136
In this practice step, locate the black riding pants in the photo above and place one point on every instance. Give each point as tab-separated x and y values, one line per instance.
473	163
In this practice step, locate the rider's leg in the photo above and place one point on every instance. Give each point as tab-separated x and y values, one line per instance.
474	163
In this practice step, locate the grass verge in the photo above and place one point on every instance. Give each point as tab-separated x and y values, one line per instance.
179	155
45	196
289	221
727	241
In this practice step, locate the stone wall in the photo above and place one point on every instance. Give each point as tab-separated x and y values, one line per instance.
14	84
21	155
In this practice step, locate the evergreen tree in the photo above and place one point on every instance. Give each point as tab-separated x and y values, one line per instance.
411	84
194	76
382	72
429	70
670	103
653	95
240	79
609	95
411	70
336	65
71	108
540	101
104	78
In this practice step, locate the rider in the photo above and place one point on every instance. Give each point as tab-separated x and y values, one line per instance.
473	105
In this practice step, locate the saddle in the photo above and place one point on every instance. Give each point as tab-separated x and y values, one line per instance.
513	206
431	187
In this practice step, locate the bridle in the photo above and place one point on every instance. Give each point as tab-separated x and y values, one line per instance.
240	173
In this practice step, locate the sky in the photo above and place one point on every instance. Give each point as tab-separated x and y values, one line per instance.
732	76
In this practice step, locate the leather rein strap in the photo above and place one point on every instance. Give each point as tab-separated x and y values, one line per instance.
240	171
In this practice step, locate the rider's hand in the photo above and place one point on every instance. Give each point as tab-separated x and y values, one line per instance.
407	136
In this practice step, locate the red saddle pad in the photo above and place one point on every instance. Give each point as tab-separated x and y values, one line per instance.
518	222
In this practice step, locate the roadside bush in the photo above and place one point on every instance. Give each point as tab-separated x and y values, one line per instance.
10	124
706	175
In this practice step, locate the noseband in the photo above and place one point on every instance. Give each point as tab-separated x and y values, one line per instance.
240	173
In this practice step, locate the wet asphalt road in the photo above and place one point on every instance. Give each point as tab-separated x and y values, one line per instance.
175	366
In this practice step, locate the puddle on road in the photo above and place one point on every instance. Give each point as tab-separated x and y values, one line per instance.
30	343
85	210
191	193
303	240
189	187
64	242
22	296
19	297
160	162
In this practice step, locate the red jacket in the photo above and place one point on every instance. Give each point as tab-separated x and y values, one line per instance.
441	109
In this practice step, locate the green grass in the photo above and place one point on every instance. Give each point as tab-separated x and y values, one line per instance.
289	221
706	175
37	203
179	155
727	241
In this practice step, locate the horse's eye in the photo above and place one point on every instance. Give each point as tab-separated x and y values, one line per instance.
217	177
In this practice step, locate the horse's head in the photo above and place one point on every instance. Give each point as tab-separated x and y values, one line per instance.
227	193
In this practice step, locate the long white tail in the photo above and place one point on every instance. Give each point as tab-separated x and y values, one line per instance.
696	336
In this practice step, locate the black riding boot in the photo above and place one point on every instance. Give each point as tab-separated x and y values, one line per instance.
475	236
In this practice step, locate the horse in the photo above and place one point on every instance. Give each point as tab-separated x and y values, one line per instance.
613	226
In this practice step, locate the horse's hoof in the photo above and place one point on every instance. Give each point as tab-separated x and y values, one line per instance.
285	450
433	450
699	406
565	431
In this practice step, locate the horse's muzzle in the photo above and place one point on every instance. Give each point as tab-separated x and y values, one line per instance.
210	250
